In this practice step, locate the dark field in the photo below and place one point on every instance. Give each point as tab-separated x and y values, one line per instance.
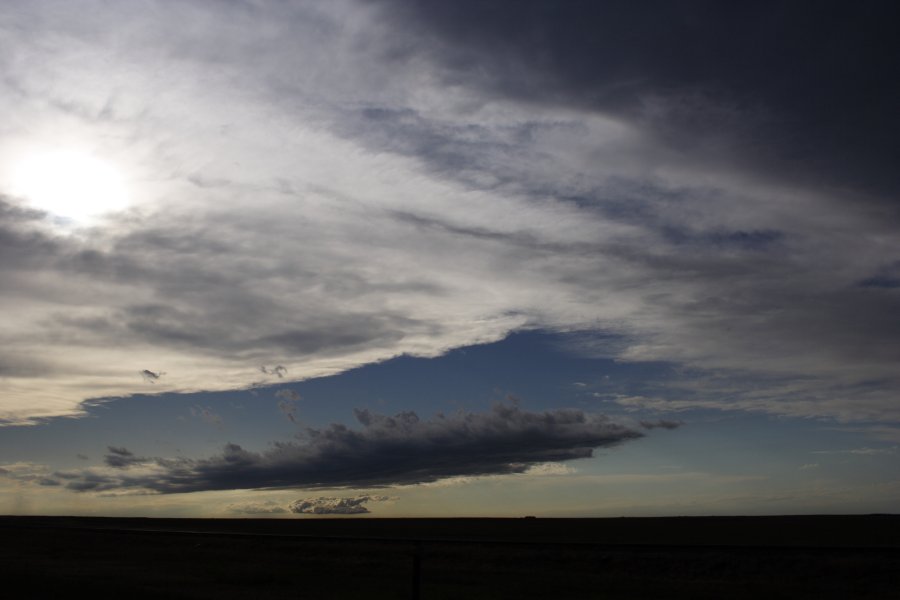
843	557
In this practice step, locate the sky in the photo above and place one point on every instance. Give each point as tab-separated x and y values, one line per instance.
471	258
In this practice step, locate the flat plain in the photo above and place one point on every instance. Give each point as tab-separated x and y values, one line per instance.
677	557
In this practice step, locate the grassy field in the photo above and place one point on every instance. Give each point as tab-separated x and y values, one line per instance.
753	557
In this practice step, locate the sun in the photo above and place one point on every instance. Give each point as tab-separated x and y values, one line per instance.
70	184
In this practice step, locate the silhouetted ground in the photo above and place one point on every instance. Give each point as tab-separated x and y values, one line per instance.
750	557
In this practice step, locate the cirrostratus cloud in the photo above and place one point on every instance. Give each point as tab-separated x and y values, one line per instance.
390	193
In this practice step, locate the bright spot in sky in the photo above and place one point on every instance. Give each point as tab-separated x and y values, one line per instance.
71	184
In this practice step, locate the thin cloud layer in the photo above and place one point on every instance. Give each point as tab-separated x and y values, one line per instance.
256	508
413	189
386	451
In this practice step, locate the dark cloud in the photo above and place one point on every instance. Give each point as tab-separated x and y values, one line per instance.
279	370
888	277
356	331
151	376
661	424
11	212
22	245
386	451
881	282
85	482
323	505
119	457
232	321
809	88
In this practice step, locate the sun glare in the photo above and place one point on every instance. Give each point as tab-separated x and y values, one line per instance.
71	184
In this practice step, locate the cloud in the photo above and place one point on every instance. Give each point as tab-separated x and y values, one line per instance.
866	451
550	469
288	409
737	223
874	451
323	505
707	84
28	472
386	451
256	508
288	394
278	370
661	424
287	403
207	415
150	376
119	457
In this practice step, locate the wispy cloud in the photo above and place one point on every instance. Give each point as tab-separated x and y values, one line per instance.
267	507
866	451
28	472
288	394
287	403
207	415
405	203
